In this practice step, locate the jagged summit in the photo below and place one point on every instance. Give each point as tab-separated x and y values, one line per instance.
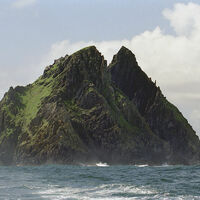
125	54
123	51
90	49
81	111
127	75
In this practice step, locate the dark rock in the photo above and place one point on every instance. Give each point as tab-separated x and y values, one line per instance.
164	119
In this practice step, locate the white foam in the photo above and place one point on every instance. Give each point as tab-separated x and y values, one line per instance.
142	165
105	191
100	164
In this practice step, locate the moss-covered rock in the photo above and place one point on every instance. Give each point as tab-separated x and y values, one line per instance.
81	111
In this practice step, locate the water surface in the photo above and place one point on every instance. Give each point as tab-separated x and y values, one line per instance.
97	182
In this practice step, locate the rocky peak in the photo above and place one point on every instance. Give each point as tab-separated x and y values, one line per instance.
88	59
124	63
125	55
85	65
128	76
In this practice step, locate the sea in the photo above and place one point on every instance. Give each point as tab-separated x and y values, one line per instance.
99	181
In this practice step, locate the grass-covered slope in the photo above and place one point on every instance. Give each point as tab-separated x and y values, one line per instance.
75	114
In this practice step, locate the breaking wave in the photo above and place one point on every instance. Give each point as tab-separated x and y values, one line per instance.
100	164
110	191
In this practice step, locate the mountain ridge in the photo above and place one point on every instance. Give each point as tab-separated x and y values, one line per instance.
81	110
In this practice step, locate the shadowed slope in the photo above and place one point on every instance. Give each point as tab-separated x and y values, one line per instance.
164	119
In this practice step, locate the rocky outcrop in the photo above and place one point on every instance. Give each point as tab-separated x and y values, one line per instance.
81	111
164	119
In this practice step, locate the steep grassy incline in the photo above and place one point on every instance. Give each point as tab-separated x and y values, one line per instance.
17	109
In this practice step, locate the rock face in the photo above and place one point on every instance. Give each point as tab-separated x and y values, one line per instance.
81	111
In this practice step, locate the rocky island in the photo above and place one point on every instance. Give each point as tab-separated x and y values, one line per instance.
83	111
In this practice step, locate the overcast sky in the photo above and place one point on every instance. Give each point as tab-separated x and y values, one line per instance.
164	35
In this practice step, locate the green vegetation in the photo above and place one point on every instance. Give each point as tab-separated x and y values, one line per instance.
116	101
5	134
73	108
170	108
79	110
32	100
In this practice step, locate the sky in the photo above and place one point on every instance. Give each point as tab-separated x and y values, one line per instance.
163	35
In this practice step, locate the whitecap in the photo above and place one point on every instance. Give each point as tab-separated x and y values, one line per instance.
104	191
142	165
100	164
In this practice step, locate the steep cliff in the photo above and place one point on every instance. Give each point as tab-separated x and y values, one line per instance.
164	119
81	111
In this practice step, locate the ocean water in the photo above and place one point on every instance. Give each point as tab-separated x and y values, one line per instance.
99	182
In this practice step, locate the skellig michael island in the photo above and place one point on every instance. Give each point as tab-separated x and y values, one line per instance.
83	111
